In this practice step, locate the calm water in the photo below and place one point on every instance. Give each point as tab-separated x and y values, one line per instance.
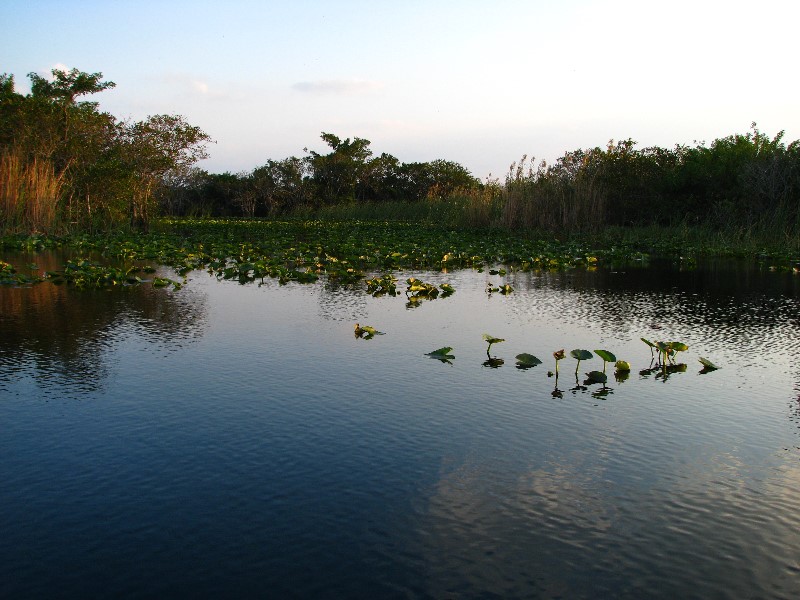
241	441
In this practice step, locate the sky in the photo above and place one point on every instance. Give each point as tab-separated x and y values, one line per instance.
481	83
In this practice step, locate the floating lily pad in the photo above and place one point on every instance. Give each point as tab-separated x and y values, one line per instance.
526	360
707	364
366	331
596	377
441	352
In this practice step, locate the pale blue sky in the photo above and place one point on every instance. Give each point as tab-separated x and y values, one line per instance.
480	83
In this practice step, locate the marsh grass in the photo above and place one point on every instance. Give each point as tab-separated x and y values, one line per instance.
30	194
463	208
539	198
696	239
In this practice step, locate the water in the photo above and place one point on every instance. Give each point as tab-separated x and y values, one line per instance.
240	440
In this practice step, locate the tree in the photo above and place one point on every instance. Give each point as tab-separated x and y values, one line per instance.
182	193
107	171
281	185
65	88
449	176
337	174
159	146
381	180
50	127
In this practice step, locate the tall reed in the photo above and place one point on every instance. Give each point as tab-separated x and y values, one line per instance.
552	199
30	192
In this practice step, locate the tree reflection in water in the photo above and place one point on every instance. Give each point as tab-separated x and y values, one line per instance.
61	334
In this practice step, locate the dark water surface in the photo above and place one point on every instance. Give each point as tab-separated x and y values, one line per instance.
241	441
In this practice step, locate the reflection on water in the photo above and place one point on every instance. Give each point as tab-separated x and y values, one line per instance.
240	440
703	303
342	302
61	336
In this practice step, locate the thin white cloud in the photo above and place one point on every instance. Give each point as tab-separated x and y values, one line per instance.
337	86
48	73
193	87
200	86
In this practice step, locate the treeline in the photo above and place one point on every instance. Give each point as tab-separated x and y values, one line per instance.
66	165
748	181
741	182
347	174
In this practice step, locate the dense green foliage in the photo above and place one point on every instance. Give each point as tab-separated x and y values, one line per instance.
349	175
65	165
743	181
346	252
743	185
367	254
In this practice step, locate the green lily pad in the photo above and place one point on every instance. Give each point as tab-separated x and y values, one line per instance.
443	352
581	354
597	377
708	364
527	360
605	355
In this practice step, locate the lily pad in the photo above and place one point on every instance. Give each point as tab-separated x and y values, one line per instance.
526	360
596	377
443	352
708	364
606	355
366	331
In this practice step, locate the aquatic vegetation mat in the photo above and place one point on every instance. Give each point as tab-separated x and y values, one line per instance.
348	252
301	251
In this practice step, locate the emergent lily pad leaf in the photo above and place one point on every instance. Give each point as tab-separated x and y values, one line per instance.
580	355
491	340
606	356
